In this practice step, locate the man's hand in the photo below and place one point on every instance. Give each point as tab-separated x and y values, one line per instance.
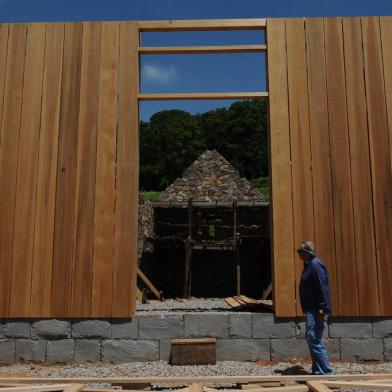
321	317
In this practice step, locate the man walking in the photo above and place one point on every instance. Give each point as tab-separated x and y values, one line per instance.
315	303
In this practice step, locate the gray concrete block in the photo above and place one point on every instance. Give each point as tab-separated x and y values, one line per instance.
87	350
60	351
286	349
30	350
388	349
382	327
243	349
17	329
265	326
130	350
7	351
164	349
333	348
361	349
51	329
240	325
214	325
91	329
2	329
125	328
350	327
300	328
161	326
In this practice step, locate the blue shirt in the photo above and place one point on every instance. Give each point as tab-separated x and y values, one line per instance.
313	288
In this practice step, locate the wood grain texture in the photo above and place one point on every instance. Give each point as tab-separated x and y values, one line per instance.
10	128
301	171
85	175
380	157
47	173
341	174
281	187
360	169
26	186
386	33
127	176
66	173
105	172
3	66
321	153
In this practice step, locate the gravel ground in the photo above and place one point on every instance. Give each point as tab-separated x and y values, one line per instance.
188	305
161	369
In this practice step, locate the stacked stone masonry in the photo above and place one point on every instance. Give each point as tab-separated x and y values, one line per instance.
147	337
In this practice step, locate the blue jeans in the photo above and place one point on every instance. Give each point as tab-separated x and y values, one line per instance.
313	336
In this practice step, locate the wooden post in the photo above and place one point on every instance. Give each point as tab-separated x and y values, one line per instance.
188	254
235	250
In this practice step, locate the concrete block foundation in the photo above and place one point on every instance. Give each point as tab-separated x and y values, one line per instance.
147	336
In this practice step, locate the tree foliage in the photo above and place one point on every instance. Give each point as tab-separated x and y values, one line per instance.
173	139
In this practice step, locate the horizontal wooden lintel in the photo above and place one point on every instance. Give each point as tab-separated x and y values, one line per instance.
202	49
201	96
199	25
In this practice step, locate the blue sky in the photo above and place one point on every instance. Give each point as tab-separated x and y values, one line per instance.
236	72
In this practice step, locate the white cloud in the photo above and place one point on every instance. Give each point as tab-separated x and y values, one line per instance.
159	73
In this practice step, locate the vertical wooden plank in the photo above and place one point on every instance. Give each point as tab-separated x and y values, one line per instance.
360	169
85	176
105	173
321	153
47	173
127	184
340	164
10	128
281	187
380	157
386	33
66	173
3	65
301	171
27	172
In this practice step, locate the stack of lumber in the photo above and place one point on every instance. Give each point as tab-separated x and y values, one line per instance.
244	302
300	383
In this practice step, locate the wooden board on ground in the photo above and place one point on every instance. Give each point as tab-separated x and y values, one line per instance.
244	302
193	351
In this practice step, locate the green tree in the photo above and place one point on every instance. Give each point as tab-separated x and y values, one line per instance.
169	143
173	139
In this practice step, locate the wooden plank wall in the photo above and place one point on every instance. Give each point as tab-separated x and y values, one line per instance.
330	85
68	169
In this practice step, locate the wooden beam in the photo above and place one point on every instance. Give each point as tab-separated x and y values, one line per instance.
202	49
317	386
358	384
74	388
267	291
200	25
194	379
199	96
148	283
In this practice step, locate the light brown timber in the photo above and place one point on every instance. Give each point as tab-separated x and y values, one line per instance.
360	169
105	173
321	153
201	49
26	184
380	157
127	176
281	186
86	171
10	128
346	273
301	170
66	173
47	173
